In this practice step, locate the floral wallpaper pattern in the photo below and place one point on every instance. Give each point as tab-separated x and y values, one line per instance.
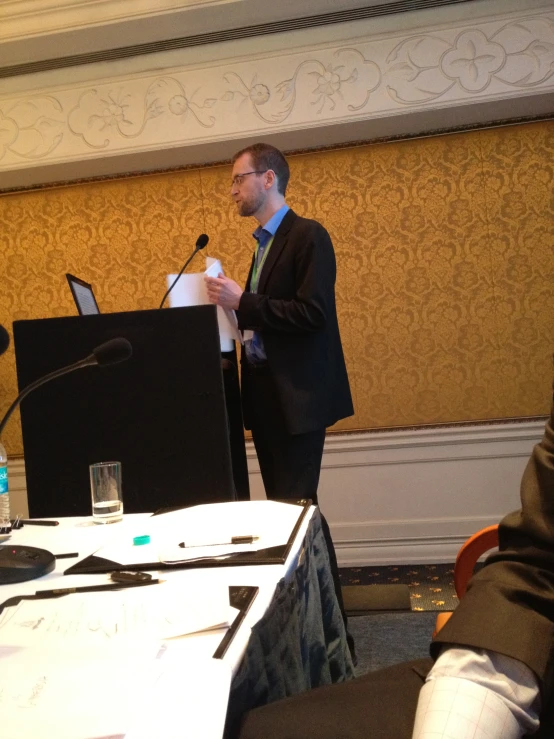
445	251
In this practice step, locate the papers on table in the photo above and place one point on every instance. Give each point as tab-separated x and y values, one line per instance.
190	289
155	613
84	665
72	694
190	701
201	527
85	693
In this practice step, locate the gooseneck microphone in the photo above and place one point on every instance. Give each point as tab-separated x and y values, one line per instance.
201	242
4	340
22	563
110	352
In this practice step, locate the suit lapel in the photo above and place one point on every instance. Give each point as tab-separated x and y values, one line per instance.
279	241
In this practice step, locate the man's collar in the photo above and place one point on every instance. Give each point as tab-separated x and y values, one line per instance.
274	222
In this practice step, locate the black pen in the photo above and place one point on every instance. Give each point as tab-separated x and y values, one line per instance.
94	588
37	522
234	540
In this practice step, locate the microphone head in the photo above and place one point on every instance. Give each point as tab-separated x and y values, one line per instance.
5	338
201	241
112	352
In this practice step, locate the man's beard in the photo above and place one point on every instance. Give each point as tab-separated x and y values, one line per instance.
251	206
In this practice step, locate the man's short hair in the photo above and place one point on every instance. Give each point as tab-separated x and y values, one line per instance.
265	156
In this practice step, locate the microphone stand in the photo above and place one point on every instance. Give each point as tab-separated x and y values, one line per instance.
186	264
88	361
21	563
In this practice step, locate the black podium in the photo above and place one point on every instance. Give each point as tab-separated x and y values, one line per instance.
166	413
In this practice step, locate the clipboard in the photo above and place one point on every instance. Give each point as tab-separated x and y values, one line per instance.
240	597
271	556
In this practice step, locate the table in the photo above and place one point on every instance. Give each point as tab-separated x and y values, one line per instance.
284	645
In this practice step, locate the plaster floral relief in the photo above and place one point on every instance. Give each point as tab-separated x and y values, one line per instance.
104	116
322	85
474	61
370	78
31	128
425	68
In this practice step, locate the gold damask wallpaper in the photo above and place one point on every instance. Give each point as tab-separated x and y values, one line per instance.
445	251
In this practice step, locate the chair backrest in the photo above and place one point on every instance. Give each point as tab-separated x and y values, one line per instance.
470	552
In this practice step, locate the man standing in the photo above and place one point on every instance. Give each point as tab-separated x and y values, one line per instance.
294	380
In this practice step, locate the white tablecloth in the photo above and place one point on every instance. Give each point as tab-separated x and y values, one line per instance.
196	709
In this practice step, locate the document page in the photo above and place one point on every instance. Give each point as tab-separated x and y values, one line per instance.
190	289
153	612
187	703
206	531
209	530
110	693
73	694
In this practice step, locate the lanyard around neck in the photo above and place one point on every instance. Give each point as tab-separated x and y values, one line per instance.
257	267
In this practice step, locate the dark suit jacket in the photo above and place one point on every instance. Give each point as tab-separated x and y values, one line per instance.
509	605
295	311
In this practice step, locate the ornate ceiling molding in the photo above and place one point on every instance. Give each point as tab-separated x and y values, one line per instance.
191	111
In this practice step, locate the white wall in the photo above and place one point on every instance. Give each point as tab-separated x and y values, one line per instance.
401	497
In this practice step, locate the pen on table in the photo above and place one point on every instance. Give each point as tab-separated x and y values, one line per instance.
95	588
234	540
33	522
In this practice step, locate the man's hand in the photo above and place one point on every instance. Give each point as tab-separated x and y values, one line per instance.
223	291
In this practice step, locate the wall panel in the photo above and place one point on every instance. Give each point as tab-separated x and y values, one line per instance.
445	249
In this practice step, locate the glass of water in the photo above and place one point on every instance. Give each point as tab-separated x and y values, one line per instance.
105	488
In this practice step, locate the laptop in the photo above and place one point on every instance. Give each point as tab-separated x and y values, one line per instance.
83	296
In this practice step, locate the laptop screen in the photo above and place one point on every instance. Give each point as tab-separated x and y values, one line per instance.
83	296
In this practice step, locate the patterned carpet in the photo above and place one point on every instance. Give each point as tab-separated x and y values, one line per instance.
431	586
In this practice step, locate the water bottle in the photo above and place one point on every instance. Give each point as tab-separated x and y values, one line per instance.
4	494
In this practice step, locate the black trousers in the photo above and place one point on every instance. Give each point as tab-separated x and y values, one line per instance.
290	464
378	705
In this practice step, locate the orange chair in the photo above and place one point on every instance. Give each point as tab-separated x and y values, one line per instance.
466	560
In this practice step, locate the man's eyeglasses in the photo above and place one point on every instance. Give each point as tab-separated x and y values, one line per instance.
239	178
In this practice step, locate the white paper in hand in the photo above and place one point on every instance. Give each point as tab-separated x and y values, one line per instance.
191	290
227	318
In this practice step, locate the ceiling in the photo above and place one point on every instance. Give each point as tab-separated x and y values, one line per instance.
36	35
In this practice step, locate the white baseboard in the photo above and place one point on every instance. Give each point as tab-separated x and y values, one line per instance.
413	497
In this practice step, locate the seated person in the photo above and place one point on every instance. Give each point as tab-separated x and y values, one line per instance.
493	677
